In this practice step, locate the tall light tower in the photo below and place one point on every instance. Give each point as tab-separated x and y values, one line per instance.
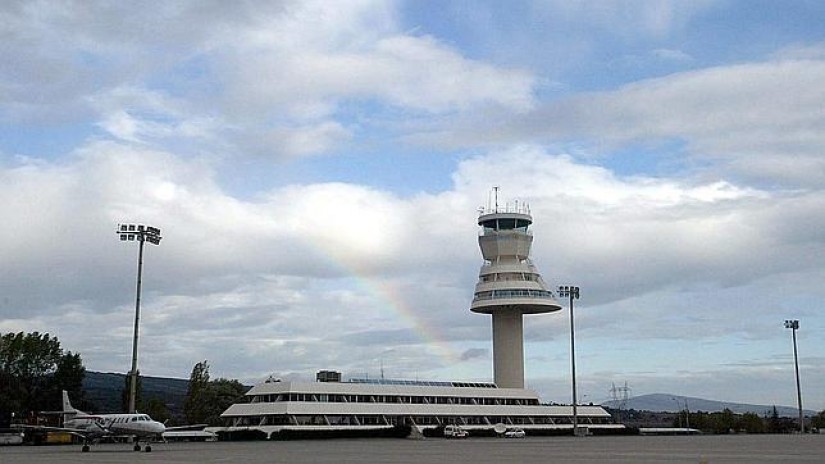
794	326
143	234
573	294
509	286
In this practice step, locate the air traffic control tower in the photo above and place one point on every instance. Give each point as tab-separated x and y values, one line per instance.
509	286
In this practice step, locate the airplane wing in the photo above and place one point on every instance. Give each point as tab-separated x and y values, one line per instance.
82	433
187	427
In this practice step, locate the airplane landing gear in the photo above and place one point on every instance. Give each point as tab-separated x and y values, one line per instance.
148	448
85	448
137	447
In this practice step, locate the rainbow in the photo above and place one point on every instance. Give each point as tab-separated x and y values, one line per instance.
387	294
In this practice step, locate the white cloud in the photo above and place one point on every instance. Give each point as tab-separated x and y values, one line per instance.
669	54
287	279
311	139
810	51
757	121
258	79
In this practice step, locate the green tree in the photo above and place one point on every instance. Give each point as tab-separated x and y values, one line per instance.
224	393
724	421
33	368
157	409
750	423
206	399
773	422
698	420
69	376
818	421
197	394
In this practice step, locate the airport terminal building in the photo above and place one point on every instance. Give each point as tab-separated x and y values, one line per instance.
509	287
377	403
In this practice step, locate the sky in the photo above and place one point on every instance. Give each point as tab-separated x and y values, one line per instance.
316	170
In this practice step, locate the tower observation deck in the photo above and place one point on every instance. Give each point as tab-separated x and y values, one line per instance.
509	286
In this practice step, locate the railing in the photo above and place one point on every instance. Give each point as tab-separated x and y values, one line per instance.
502	294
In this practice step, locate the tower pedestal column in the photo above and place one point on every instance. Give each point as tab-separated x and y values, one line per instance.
508	352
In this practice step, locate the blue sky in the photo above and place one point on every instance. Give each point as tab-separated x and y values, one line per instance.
316	169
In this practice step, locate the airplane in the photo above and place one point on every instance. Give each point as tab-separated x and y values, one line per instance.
93	427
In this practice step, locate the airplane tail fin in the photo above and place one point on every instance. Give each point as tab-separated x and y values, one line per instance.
67	405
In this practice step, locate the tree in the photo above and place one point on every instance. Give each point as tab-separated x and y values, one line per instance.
205	399
157	410
750	423
723	422
69	376
33	368
225	393
818	421
774	425
197	394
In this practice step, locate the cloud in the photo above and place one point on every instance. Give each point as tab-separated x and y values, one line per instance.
755	121
236	264
668	54
474	353
252	79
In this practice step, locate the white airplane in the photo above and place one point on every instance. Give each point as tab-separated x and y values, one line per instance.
93	427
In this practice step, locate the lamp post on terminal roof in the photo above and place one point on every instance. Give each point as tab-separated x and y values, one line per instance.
141	234
793	324
573	294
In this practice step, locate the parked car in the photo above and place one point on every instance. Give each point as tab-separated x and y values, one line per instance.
455	431
515	433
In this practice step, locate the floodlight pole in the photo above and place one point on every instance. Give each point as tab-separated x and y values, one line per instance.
794	326
572	293
141	234
133	373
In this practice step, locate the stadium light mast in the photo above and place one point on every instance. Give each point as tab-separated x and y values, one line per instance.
793	324
141	234
573	294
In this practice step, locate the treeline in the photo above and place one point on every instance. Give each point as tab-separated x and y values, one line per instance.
727	421
34	370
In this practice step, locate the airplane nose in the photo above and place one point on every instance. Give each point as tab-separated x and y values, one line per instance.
157	427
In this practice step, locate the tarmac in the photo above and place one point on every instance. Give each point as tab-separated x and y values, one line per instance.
704	449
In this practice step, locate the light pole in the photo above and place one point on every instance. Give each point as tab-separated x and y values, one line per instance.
143	234
793	324
687	412
573	294
678	411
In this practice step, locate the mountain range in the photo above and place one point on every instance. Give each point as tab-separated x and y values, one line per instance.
665	402
104	389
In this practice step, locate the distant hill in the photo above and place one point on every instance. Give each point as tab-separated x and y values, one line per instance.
663	402
104	389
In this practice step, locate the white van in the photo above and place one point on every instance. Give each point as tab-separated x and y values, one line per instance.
455	431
